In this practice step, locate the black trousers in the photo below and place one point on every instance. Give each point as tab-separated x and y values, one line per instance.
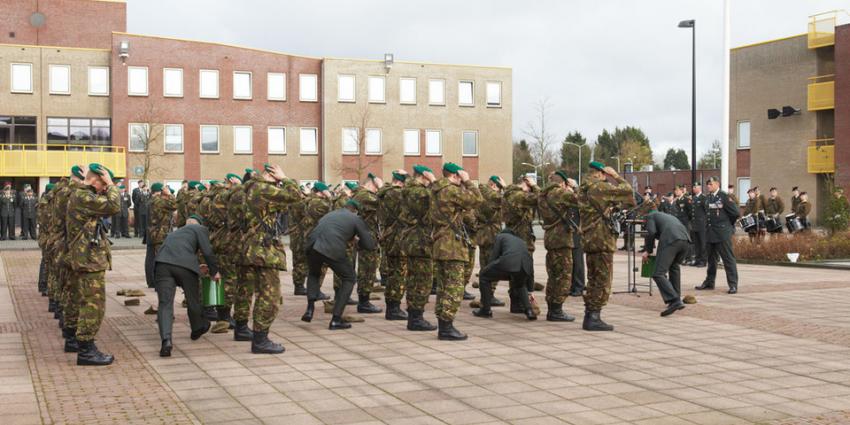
42	275
723	250
341	268
142	225
520	285
168	278
7	227
667	261
698	236
136	223
578	266
28	227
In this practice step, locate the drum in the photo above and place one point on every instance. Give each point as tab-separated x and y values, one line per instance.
773	224
795	225
748	223
212	291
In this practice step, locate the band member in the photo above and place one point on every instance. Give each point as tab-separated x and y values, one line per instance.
804	208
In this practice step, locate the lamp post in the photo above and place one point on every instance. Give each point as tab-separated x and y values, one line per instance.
692	24
542	179
618	163
579	158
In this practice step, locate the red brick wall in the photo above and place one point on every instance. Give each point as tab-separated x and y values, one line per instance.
368	163
842	106
71	23
742	159
664	181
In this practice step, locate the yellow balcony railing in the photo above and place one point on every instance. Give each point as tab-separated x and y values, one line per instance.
822	29
821	92
29	160
821	156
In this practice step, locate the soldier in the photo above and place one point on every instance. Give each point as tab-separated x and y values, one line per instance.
43	216
720	227
804	208
774	208
489	224
795	198
182	199
683	210
121	221
673	242
193	203
296	241
698	225
66	299
509	260
389	209
520	201
264	248
470	222
752	208
213	210
7	212
29	202
416	245
162	207
730	192
89	257
318	204
554	204
245	286
577	285
368	260
597	197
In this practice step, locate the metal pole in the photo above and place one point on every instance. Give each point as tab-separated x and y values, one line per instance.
579	164
694	102
724	139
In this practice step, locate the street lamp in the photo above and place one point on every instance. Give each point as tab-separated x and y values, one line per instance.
579	158
692	24
542	179
618	163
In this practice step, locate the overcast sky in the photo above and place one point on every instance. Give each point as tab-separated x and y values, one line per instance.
602	63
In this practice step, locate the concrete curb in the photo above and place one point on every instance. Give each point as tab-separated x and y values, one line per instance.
811	265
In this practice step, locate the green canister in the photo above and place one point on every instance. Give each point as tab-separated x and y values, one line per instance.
213	292
648	267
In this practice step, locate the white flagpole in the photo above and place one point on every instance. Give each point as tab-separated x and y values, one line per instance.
724	144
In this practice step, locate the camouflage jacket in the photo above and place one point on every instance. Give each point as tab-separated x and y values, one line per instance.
315	208
449	203
264	201
518	212
182	200
389	208
58	225
368	208
213	209
193	203
597	198
554	205
488	216
88	245
340	200
236	225
43	218
415	239
162	209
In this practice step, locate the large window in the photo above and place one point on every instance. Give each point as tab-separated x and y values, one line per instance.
411	142
373	141
137	81
276	82
743	187
744	135
21	78
436	92
277	140
17	130
242	136
60	79
407	91
98	81
173	138
346	85
172	82
307	87
349	140
494	94
209	84
242	85
139	134
470	143
377	89
209	139
308	140
433	142
465	93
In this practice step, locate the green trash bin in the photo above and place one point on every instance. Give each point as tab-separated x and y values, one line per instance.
648	267
212	291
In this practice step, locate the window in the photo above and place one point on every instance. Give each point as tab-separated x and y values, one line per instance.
17	130
277	140
209	84
242	139
242	85
209	139
276	82
465	95
21	78
60	79
98	81
407	91
307	139
373	141
174	138
349	141
494	94
172	82
79	131
743	187
307	87
743	135
411	142
345	88
377	90
436	92
138	137
137	81
433	142
470	143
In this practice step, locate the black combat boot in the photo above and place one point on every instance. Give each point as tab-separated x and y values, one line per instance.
165	350
364	306
224	316
448	332
89	355
415	321
433	288
57	311
556	313
242	332
261	344
210	314
308	315
197	334
592	322
71	343
516	304
483	312
467	296
337	323
394	311
300	290
61	318
51	306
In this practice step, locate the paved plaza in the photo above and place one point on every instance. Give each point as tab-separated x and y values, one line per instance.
777	352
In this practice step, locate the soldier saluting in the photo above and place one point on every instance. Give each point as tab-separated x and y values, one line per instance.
720	226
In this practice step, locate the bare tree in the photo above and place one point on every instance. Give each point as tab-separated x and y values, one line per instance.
145	151
542	139
362	162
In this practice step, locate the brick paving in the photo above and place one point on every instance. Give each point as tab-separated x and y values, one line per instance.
769	353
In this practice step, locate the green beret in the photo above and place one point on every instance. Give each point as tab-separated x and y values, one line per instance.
352	203
194	184
370	176
156	187
451	167
77	171
596	165
214	182
697	184
197	217
320	186
267	167
49	187
400	177
351	185
421	169
562	174
100	169
122	187
200	187
233	176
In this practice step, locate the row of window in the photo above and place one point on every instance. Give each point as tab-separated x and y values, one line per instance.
377	93
210	137
59	79
208	84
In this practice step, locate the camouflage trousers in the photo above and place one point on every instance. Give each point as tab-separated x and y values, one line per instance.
351	254
299	260
599	274
267	284
90	288
559	268
367	266
469	266
394	277
69	296
483	260
230	279
449	276
54	288
243	292
417	279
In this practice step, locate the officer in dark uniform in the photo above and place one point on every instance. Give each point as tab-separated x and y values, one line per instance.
683	210
698	225
120	222
722	213
8	202
28	204
673	242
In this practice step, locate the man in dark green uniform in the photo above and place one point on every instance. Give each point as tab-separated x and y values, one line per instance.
554	204
389	209
720	227
416	245
368	260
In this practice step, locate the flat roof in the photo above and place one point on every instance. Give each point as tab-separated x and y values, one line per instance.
775	40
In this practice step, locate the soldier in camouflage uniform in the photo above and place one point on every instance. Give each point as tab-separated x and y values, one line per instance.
67	307
296	242
43	217
389	209
489	224
318	204
267	195
470	226
554	205
415	244
213	209
183	197
368	260
452	196
597	198
519	204
89	256
161	207
245	279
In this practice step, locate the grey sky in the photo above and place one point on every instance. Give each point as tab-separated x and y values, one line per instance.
602	63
